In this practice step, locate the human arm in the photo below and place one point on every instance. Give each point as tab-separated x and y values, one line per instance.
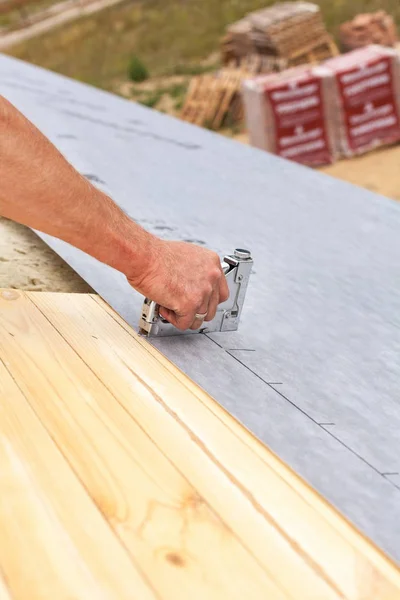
40	189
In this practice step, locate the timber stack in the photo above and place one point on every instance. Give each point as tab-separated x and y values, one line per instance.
365	29
292	31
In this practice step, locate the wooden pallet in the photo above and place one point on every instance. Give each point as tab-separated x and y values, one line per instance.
210	97
198	99
314	52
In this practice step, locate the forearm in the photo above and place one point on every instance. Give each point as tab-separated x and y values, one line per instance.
40	189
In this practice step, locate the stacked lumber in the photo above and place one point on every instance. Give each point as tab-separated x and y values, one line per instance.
288	30
366	29
314	115
214	98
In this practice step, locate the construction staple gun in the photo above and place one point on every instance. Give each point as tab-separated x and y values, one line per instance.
237	268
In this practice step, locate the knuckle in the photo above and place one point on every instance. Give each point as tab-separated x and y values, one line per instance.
195	301
224	295
216	274
217	260
207	291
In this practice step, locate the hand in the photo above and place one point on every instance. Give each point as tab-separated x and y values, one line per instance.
185	280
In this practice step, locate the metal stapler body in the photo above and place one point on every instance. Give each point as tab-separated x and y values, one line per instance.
237	269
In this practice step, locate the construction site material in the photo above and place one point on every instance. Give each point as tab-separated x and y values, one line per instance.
314	115
313	371
367	99
210	97
293	31
292	114
369	28
213	99
122	479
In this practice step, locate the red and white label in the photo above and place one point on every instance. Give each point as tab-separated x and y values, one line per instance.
298	110
369	104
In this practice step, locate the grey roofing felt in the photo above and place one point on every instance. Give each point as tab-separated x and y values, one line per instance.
314	370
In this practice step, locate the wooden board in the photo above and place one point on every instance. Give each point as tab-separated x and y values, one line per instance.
120	478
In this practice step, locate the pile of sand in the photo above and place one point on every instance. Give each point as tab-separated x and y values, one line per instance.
26	263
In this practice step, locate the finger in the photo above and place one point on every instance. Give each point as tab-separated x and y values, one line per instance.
203	310
197	324
212	307
223	290
181	322
167	314
173	318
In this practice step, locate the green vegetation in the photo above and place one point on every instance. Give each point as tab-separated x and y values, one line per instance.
152	99
168	35
137	71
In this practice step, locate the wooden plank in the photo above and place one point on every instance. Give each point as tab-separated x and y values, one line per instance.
53	543
164	522
280	517
4	591
230	84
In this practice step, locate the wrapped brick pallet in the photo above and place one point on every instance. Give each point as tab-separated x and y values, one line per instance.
291	114
367	98
365	29
314	115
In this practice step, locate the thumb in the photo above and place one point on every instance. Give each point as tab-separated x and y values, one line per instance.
182	322
167	314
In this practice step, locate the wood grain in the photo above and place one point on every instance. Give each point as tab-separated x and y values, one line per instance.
54	543
163	521
122	468
4	591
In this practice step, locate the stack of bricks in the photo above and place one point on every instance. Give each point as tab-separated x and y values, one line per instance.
365	29
289	31
315	115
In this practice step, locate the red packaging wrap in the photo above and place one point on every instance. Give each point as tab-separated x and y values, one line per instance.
314	115
289	114
368	109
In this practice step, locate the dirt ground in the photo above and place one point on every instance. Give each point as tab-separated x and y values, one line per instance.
377	171
27	263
